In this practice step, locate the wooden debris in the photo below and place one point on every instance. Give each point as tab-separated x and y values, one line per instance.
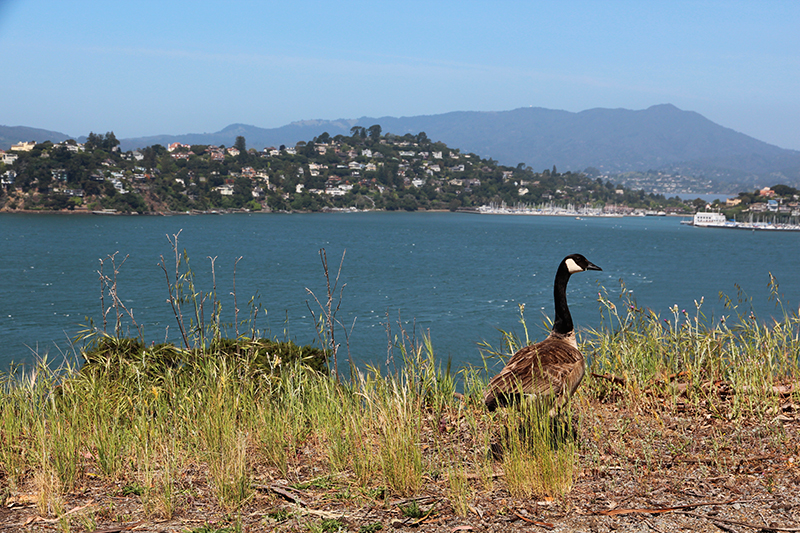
657	510
760	527
608	377
545	525
288	494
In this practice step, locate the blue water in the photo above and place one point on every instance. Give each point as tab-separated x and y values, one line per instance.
458	277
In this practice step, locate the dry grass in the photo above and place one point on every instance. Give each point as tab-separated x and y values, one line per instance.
630	455
226	445
672	413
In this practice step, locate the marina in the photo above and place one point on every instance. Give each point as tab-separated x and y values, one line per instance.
550	210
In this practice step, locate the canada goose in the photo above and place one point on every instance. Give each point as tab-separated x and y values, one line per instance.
550	370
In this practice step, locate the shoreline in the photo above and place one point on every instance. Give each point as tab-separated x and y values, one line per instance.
474	211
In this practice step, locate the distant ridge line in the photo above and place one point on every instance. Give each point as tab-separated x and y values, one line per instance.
661	137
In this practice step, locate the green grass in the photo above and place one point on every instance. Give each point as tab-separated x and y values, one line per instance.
131	424
234	411
729	367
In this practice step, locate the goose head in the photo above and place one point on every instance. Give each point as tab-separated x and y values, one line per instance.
577	263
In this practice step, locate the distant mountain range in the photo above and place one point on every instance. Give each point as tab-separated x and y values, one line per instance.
13	134
661	137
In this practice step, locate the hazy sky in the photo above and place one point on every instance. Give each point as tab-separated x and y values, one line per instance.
152	67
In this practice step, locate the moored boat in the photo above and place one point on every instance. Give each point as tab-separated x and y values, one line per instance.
717	220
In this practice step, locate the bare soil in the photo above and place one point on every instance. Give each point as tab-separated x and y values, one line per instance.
642	468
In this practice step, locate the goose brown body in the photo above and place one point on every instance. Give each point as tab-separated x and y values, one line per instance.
551	370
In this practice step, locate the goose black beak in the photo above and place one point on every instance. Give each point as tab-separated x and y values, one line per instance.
592	266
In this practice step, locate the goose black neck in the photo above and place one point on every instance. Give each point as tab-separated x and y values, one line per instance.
563	320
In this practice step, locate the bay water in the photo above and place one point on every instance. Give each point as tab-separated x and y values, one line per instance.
459	278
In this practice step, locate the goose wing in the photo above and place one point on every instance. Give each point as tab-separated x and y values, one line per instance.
551	368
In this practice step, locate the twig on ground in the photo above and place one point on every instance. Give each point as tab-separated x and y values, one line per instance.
545	525
419	499
286	494
324	514
494	475
764	527
657	510
651	526
120	529
34	519
426	515
608	377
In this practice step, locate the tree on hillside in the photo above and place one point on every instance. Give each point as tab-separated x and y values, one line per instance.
358	131
375	133
306	150
105	142
151	155
110	141
240	144
784	190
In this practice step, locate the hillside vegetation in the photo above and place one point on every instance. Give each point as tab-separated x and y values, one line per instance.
364	170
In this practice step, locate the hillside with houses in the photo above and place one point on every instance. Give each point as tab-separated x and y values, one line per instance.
365	170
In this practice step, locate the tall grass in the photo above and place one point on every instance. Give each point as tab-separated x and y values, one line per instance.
539	452
730	366
227	414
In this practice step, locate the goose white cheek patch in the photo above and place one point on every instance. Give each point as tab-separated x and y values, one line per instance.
572	266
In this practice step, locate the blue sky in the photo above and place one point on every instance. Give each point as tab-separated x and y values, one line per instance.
152	67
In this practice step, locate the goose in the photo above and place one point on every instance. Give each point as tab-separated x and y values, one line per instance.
551	370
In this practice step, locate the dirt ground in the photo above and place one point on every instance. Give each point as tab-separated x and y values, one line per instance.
641	469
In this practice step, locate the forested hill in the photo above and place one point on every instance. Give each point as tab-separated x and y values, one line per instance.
365	170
